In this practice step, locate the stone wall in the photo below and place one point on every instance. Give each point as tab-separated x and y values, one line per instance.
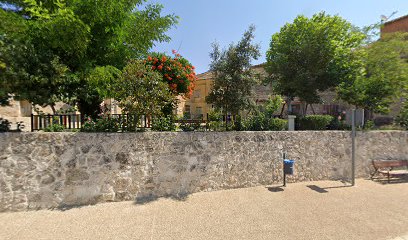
56	170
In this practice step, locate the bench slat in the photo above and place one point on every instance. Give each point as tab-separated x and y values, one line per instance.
390	163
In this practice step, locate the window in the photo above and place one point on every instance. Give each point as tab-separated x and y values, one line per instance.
187	108
199	112
197	93
187	113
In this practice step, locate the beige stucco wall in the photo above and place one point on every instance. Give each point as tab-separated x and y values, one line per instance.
52	170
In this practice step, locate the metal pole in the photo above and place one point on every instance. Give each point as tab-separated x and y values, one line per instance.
353	146
284	174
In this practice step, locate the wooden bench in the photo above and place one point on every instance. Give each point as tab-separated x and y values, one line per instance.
390	168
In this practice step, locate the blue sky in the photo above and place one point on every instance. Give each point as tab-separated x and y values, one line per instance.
205	21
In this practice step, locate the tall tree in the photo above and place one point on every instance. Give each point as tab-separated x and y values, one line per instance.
385	77
233	76
66	40
312	55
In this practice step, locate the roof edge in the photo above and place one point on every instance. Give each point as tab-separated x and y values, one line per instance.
397	19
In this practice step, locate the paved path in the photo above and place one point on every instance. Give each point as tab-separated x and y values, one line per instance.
313	210
402	238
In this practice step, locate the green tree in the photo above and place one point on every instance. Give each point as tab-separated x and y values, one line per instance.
385	78
233	76
271	105
64	42
12	29
312	55
140	90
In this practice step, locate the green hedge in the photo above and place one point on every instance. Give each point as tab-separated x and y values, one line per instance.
277	124
262	123
314	122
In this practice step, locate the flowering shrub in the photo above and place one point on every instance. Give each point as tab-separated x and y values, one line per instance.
177	72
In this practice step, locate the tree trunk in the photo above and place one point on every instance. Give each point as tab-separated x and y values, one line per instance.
311	105
305	110
53	109
283	109
288	101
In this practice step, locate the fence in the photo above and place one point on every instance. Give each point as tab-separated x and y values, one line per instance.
71	121
124	121
77	121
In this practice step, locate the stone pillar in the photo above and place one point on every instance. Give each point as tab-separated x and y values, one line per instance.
291	122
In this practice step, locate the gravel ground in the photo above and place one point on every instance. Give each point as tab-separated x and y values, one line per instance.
310	210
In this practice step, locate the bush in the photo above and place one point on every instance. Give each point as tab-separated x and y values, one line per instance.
260	122
104	124
215	115
4	125
217	126
315	122
190	127
402	118
163	124
369	125
277	124
337	124
54	128
257	122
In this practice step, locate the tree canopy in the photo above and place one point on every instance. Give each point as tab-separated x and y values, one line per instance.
312	55
385	77
233	76
54	46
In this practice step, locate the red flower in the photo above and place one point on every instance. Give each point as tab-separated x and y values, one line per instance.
160	67
149	58
164	59
153	67
174	51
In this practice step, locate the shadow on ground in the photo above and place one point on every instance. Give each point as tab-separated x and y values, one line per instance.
325	189
385	181
276	189
151	198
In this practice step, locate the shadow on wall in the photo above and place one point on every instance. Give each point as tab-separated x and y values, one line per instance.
7	126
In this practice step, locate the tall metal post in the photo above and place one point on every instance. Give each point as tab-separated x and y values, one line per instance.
353	146
284	174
